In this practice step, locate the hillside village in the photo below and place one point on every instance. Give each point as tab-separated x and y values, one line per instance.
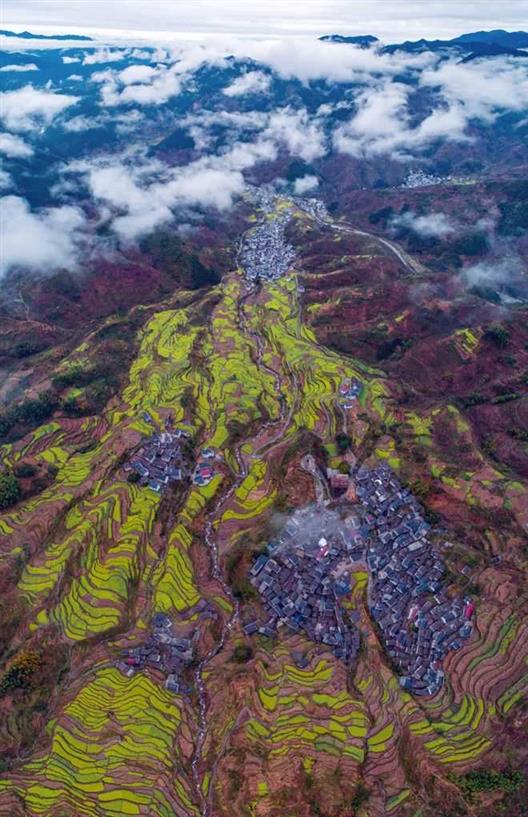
265	254
163	459
305	575
168	649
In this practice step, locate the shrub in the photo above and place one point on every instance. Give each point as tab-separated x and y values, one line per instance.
76	376
474	399
26	349
343	442
382	215
498	334
514	212
419	487
482	780
71	407
361	796
242	653
9	489
25	470
18	675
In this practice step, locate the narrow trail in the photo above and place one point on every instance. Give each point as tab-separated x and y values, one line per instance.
229	624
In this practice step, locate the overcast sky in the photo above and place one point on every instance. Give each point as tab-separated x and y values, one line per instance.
391	20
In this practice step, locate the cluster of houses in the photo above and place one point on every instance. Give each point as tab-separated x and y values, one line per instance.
349	390
314	207
418	178
265	254
304	576
160	459
419	622
166	649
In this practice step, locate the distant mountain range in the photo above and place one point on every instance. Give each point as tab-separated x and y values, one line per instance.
27	35
364	40
476	44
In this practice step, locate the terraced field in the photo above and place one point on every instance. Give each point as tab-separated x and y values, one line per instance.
93	557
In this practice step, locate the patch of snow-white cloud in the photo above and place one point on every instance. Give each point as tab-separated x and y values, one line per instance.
78	124
42	240
500	268
147	85
135	85
253	82
19	68
70	60
6	180
29	107
104	55
245	155
293	130
305	184
136	73
298	132
483	87
382	124
308	61
74	77
14	147
431	225
141	197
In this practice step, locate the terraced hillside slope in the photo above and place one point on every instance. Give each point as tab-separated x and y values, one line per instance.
131	685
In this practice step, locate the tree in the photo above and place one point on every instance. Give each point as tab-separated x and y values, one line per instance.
9	489
18	675
242	653
343	442
498	334
25	470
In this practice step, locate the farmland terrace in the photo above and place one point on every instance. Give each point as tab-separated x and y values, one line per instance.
137	678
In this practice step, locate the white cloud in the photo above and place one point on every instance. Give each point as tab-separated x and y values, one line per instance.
70	60
244	155
27	107
40	241
301	135
482	87
305	184
494	271
155	86
382	124
293	130
14	147
77	124
74	77
28	66
102	55
316	60
377	122
254	82
142	197
158	85
6	180
136	73
432	225
396	19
